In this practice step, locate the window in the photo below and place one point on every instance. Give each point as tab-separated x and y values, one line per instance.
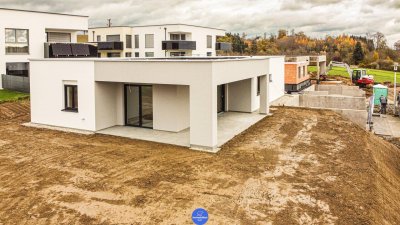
175	54
128	54
270	78
128	41
149	54
98	38
99	55
177	37
136	54
17	41
113	38
258	86
149	41
209	53
304	71
299	72
17	69
136	41
113	54
209	41
71	98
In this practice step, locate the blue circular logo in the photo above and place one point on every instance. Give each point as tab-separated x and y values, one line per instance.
200	216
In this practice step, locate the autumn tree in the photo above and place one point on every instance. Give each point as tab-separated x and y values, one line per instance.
358	54
282	33
397	46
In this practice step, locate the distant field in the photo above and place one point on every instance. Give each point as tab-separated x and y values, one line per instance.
6	95
379	75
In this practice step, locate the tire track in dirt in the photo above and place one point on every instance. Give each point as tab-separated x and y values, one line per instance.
287	169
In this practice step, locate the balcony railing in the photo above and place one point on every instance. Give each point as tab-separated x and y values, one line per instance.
178	45
69	50
223	46
110	45
297	59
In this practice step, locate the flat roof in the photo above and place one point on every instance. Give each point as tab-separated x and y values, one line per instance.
32	11
157	25
175	59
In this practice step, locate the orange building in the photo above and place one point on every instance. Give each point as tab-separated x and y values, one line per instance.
296	73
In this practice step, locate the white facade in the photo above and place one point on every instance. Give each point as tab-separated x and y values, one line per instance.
162	33
37	24
184	92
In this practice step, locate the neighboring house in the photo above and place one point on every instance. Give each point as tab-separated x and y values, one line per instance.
166	40
296	73
23	34
164	94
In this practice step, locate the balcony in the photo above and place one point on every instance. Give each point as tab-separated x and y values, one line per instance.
223	46
69	50
110	45
297	59
178	45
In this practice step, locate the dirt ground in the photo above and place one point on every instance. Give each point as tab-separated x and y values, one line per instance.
298	166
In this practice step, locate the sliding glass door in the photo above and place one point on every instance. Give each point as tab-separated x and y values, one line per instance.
139	105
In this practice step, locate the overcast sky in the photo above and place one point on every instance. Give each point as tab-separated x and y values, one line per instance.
254	17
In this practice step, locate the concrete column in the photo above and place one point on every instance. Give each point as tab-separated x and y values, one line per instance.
322	67
203	117
264	94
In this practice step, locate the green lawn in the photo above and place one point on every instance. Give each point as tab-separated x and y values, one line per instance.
6	95
379	75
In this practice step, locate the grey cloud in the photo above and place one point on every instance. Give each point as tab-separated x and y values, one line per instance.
316	17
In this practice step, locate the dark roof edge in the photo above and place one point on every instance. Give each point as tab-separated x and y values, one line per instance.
32	11
169	24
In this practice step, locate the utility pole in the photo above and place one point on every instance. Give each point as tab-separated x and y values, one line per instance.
395	90
109	23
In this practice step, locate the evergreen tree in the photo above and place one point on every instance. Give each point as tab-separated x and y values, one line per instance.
358	54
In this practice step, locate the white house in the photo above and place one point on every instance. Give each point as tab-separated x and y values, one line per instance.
177	96
23	34
165	40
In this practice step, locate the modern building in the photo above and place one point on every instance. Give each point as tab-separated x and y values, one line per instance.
320	62
166	40
296	73
24	33
176	99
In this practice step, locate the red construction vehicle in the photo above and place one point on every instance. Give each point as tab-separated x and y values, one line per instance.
358	77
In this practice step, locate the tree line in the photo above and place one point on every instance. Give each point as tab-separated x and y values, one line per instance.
370	51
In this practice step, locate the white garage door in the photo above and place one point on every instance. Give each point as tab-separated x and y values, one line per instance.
58	37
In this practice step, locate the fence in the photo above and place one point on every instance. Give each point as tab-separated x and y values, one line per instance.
15	83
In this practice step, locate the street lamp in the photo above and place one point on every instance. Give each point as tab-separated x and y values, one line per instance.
395	84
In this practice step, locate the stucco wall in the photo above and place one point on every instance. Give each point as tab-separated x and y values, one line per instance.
277	70
106	95
239	96
47	94
171	107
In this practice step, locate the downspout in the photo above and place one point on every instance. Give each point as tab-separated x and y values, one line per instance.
165	39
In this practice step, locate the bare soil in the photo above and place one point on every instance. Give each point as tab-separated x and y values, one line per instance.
298	166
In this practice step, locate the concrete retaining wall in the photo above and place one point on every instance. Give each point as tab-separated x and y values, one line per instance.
353	91
287	100
332	102
358	117
316	92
